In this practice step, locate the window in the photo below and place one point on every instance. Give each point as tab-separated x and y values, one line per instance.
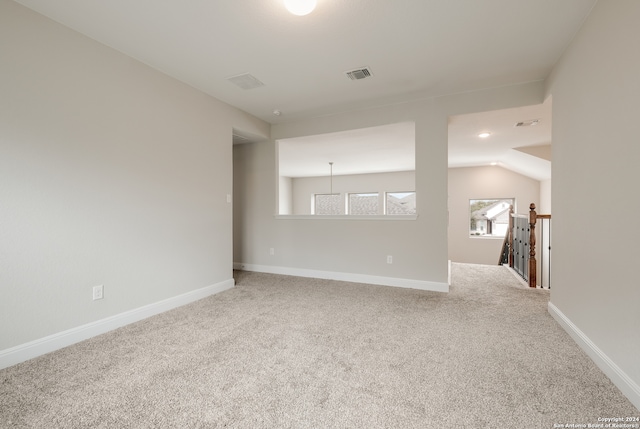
400	203
363	204
489	218
326	204
373	159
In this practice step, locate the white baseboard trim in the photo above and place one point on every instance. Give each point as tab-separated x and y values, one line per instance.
627	386
347	277
32	349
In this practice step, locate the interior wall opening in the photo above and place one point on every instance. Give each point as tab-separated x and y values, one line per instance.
495	156
360	172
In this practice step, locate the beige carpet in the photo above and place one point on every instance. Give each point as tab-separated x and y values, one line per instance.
288	352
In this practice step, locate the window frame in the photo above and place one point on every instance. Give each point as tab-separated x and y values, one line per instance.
385	209
475	233
314	203
348	209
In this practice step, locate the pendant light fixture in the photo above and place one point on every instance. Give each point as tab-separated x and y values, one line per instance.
331	178
300	7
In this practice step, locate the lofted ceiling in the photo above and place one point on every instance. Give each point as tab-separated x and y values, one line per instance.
413	48
381	149
519	140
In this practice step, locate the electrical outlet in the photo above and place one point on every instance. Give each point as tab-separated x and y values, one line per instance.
98	292
389	259
228	198
272	251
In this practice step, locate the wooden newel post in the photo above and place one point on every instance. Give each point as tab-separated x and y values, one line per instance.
532	245
510	236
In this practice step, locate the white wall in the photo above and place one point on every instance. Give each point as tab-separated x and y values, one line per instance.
419	247
338	245
305	187
483	183
596	92
545	197
110	173
286	199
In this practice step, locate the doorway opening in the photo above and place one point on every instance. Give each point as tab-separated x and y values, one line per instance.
501	155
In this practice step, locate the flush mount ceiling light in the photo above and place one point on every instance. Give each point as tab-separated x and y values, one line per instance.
300	7
484	135
331	177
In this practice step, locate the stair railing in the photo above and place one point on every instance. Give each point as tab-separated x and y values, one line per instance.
545	251
519	247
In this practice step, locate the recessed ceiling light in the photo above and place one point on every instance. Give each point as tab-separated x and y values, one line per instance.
300	7
494	163
484	135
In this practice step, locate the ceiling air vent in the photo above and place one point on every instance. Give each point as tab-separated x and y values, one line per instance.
527	123
357	74
245	81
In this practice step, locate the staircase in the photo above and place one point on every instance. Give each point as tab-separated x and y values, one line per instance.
521	251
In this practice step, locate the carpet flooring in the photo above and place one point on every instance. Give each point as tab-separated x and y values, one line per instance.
289	352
